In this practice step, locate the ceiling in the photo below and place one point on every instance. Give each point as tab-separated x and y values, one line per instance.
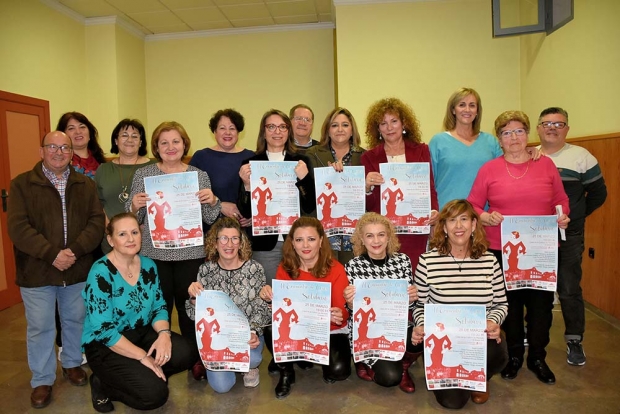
178	16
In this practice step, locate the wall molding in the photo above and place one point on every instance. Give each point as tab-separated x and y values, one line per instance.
354	2
62	9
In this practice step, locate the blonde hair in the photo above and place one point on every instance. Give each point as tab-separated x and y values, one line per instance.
449	120
357	238
245	249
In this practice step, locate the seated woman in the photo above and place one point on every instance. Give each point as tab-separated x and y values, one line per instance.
127	337
307	256
460	270
229	269
375	246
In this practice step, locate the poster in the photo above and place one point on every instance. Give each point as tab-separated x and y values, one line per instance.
174	214
406	196
530	252
380	314
455	347
341	198
301	321
274	195
222	333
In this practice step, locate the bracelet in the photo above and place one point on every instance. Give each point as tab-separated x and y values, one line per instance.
145	355
168	331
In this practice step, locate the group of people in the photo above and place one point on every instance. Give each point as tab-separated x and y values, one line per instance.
114	295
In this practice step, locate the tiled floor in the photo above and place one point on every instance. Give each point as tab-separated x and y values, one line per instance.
593	388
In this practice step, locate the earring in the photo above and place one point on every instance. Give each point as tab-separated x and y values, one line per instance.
446	235
404	132
380	137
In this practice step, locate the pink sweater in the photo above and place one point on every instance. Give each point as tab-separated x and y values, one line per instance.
536	194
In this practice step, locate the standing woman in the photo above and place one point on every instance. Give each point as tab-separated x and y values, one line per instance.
177	267
308	257
230	269
339	147
376	257
223	160
275	143
87	154
114	178
394	136
515	185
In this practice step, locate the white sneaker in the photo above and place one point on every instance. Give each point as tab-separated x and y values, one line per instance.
251	379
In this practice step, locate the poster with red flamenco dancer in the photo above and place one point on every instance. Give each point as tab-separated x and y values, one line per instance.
174	215
380	313
222	333
300	312
274	195
455	347
530	252
406	196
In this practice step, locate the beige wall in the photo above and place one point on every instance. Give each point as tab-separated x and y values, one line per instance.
189	79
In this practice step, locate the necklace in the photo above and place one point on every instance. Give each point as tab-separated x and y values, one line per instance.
123	196
460	265
522	175
129	273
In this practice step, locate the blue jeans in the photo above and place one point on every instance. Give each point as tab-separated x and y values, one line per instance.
40	305
223	381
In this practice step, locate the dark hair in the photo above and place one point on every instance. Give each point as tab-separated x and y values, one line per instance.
245	249
122	126
440	240
109	230
235	117
93	142
553	110
261	141
169	126
290	260
291	113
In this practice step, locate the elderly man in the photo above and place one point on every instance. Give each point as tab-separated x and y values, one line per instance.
55	221
586	190
302	119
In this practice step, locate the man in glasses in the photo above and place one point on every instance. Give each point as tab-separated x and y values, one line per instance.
302	119
584	184
55	221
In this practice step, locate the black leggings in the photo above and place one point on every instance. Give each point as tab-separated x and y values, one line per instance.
389	373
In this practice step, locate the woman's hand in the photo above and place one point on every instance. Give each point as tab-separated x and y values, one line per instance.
563	221
336	316
434	217
349	295
266	293
139	201
230	210
412	291
417	335
162	347
301	170
491	219
149	362
254	341
194	289
373	179
338	166
493	331
245	222
206	196
244	174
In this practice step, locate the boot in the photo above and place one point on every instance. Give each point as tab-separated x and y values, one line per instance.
364	372
287	378
406	382
479	397
198	371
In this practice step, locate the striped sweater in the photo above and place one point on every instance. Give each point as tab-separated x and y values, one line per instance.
445	280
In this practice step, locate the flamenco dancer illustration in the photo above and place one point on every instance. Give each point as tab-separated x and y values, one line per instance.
392	196
364	316
160	209
262	194
513	249
439	345
285	315
326	199
209	326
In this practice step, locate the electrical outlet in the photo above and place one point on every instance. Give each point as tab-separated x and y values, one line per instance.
591	252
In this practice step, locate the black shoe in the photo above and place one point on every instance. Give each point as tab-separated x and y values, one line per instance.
327	380
273	367
101	402
287	378
542	371
305	365
512	369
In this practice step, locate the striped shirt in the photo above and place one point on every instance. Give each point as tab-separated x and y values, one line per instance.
61	185
449	281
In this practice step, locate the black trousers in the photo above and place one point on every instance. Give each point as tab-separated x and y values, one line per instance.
389	373
127	380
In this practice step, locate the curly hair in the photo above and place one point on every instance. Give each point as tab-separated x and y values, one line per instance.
245	248
326	139
441	241
122	126
235	117
165	127
290	260
261	141
507	117
449	120
357	238
394	106
93	143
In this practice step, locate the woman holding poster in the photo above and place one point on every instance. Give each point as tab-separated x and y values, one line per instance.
230	269
376	257
307	256
460	270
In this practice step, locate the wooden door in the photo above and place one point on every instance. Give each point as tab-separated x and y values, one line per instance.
23	122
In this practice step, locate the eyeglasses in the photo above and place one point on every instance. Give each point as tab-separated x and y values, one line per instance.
53	148
303	118
224	240
126	137
518	132
556	125
272	127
